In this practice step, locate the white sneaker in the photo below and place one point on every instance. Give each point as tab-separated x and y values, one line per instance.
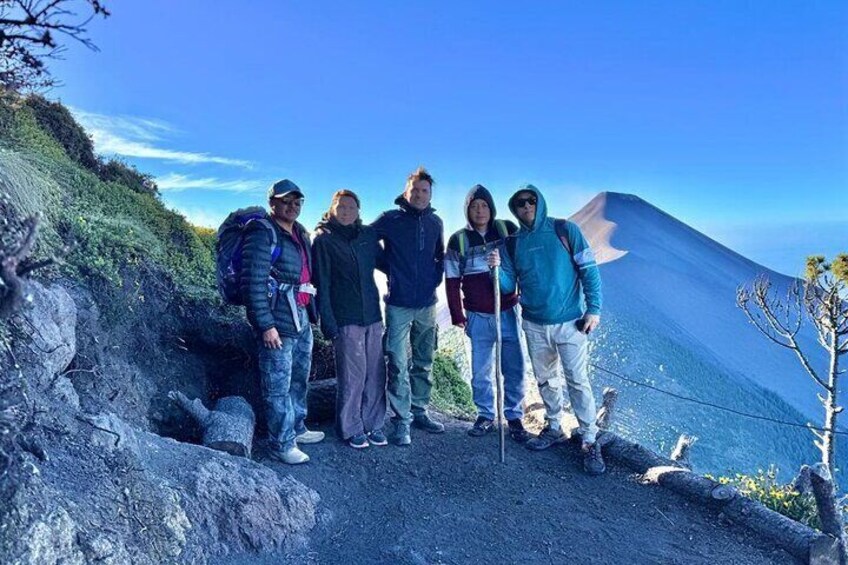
310	436
293	456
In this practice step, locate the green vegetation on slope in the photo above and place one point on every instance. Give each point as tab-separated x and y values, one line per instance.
120	238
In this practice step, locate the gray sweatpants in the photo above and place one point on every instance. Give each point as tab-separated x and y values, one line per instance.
361	379
550	345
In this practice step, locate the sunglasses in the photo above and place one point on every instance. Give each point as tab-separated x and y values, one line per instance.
520	202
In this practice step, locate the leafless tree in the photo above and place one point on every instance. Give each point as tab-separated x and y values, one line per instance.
17	240
821	299
30	32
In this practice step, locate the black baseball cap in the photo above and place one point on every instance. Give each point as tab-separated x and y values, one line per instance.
283	188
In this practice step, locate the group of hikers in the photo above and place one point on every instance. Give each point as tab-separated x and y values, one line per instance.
288	282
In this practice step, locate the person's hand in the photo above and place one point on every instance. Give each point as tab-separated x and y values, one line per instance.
271	339
493	259
590	322
460	324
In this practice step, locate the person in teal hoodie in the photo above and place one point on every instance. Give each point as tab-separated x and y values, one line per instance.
559	283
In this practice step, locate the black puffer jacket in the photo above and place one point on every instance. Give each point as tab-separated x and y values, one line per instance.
264	311
345	258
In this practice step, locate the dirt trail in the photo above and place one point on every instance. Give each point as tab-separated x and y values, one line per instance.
445	499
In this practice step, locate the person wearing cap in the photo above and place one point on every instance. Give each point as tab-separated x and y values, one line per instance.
554	267
345	255
280	306
413	240
466	271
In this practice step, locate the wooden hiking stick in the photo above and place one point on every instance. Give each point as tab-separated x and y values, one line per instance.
496	277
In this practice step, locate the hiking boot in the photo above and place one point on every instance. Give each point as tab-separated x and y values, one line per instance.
292	456
481	427
517	431
593	461
426	423
377	437
401	435
308	436
359	441
545	439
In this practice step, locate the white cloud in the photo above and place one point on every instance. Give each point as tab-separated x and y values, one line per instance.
175	182
202	217
142	138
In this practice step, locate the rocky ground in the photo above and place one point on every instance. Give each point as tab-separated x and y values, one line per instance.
446	499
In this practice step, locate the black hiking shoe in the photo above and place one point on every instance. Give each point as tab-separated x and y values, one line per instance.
481	427
545	439
425	422
593	461
377	437
359	441
517	431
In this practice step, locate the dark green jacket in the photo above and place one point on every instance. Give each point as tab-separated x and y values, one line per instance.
266	309
345	258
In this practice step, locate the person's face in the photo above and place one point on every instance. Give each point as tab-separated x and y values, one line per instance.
345	210
525	207
479	213
418	194
287	208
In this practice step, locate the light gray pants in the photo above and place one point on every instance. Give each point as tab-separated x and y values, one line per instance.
361	379
550	345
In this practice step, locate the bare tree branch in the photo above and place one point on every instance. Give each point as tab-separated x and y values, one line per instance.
28	37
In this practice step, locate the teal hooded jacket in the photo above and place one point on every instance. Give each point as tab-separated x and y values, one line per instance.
555	286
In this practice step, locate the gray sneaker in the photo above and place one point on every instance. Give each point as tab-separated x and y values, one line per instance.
593	461
545	439
426	423
401	435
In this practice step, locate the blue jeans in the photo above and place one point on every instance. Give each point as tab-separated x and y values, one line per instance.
283	375
481	329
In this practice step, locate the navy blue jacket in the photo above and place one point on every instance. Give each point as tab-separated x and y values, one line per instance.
414	254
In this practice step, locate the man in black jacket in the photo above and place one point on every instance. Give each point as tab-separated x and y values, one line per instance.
279	301
413	240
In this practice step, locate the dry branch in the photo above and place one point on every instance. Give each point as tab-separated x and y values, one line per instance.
605	413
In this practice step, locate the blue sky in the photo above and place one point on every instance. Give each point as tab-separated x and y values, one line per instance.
731	116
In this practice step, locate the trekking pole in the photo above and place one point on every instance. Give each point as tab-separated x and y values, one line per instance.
499	393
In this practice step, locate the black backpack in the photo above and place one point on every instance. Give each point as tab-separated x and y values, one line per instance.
229	248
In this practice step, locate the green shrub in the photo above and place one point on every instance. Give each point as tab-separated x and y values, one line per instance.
764	488
451	394
57	121
124	241
117	171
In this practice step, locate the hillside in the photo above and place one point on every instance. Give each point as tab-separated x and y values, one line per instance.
671	320
89	465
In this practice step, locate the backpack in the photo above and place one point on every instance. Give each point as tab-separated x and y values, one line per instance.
500	225
229	248
562	234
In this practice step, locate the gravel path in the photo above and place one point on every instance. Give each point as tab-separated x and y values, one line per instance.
446	499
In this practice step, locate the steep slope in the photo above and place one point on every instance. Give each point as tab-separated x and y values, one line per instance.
690	281
671	319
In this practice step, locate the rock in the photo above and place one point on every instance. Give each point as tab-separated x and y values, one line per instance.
52	540
50	321
252	509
